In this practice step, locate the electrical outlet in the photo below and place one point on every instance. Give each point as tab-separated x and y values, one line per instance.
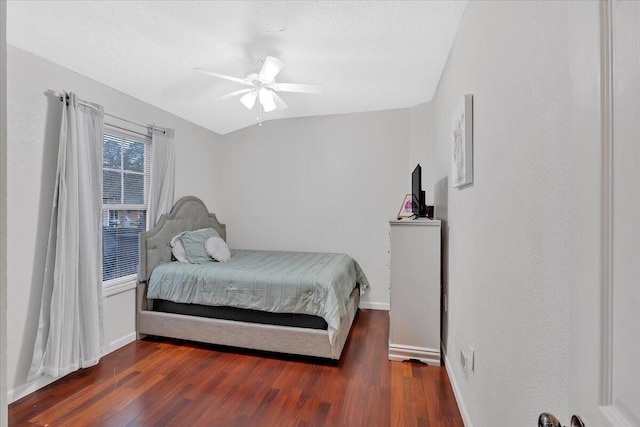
462	357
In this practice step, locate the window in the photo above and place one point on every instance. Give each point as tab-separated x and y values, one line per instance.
125	187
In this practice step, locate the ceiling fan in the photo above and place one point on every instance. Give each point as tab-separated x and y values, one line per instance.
263	87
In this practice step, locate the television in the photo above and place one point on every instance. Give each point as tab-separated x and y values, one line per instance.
417	195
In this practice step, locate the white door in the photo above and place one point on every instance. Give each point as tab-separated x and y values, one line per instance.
625	360
3	216
605	372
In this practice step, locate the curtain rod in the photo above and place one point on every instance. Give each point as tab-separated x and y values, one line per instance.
164	132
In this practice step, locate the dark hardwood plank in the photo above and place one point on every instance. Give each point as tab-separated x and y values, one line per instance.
162	382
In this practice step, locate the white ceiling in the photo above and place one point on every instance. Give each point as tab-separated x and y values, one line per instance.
369	55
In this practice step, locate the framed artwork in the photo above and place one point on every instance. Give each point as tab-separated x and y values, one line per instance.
406	210
462	143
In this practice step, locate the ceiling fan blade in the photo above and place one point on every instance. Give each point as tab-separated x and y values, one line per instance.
222	76
298	87
280	104
249	99
266	99
270	68
233	94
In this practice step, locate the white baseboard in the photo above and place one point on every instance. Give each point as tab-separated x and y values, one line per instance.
374	305
466	419
25	389
399	353
37	384
120	342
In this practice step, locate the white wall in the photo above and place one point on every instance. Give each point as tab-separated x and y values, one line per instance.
326	183
422	146
513	254
33	130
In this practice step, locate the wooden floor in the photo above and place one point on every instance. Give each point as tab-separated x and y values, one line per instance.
157	382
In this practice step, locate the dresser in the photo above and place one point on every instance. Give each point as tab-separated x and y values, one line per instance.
414	314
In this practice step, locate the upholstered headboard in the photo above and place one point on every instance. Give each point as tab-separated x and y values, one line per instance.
189	213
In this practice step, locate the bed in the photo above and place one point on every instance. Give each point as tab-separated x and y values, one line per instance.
183	301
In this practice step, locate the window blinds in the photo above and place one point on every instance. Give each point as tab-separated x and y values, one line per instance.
125	175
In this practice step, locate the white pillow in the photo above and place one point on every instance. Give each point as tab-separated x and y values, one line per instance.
217	248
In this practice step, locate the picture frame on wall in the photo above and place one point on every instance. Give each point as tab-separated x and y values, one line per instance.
462	143
406	210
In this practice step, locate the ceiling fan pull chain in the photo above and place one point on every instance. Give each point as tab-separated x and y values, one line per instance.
258	114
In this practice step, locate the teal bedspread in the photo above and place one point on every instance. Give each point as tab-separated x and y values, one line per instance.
286	282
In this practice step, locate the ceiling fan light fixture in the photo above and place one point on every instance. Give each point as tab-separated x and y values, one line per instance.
270	69
262	91
249	99
266	100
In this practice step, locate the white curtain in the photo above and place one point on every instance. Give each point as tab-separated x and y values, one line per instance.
70	333
163	175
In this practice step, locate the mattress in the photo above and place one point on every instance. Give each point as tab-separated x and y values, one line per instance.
241	314
317	284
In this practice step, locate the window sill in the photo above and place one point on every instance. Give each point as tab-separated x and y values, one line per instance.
119	288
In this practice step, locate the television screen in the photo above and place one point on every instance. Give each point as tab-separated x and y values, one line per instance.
417	195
